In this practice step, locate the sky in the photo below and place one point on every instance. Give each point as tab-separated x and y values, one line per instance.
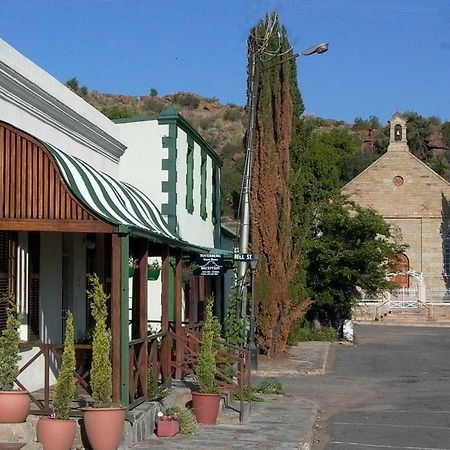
384	55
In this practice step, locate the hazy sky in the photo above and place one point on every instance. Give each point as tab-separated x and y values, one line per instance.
384	54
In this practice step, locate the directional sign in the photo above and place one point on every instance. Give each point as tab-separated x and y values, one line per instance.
209	265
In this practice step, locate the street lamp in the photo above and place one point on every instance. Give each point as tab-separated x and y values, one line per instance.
244	228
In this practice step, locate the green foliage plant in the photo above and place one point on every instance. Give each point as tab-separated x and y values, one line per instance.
101	371
270	386
9	345
65	388
234	323
155	392
303	332
186	418
205	368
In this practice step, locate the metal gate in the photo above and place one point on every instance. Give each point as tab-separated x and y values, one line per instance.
405	298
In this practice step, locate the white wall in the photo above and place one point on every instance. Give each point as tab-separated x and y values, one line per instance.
140	165
192	227
35	102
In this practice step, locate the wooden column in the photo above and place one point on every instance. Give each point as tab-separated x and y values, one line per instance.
115	314
140	284
178	314
193	300
166	343
201	297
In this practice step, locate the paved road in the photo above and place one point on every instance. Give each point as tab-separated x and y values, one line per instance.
391	391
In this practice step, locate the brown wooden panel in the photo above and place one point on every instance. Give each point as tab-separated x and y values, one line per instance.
31	188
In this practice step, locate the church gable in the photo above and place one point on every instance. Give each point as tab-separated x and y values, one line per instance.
398	184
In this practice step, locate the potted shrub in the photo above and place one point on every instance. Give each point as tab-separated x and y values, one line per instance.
58	431
206	401
167	424
14	404
103	421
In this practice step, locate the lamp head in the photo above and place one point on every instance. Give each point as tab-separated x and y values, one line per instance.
318	48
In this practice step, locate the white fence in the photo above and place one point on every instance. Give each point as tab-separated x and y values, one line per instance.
405	298
438	295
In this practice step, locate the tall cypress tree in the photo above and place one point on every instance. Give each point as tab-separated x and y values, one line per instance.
279	216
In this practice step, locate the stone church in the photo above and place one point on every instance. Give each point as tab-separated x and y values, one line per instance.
414	198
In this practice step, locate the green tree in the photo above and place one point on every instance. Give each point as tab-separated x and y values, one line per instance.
65	388
73	84
101	371
277	199
348	252
153	92
9	345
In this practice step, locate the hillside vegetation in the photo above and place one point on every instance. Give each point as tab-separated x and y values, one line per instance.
223	127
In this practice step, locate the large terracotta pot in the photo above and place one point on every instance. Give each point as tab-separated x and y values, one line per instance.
56	434
206	407
14	406
104	427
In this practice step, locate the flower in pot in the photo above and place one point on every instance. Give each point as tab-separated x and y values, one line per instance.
57	432
153	270
167	424
186	418
206	401
103	421
14	404
132	266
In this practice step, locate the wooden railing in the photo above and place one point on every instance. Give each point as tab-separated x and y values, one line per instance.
166	354
51	354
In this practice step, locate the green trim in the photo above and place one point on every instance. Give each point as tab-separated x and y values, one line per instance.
228	232
169	115
169	164
142	118
124	333
190	175
203	188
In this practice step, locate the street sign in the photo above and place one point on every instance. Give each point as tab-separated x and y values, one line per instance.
209	265
244	257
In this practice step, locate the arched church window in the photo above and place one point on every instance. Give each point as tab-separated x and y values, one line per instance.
398	132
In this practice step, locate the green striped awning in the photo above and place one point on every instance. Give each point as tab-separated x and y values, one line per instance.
114	201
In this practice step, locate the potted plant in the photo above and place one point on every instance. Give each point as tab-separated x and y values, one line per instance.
206	401
103	421
186	418
132	266
57	432
153	270
167	424
14	404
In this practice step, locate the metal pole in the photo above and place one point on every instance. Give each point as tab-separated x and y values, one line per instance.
244	229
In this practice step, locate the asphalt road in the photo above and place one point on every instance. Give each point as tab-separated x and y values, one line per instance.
390	391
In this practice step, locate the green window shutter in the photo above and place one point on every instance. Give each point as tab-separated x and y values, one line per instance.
190	176
214	194
203	190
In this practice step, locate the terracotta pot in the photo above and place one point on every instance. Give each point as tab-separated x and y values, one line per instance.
206	407
167	428
14	406
56	434
104	427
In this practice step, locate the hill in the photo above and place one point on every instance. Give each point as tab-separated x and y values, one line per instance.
223	127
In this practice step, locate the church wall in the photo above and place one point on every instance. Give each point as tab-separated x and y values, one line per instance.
411	196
